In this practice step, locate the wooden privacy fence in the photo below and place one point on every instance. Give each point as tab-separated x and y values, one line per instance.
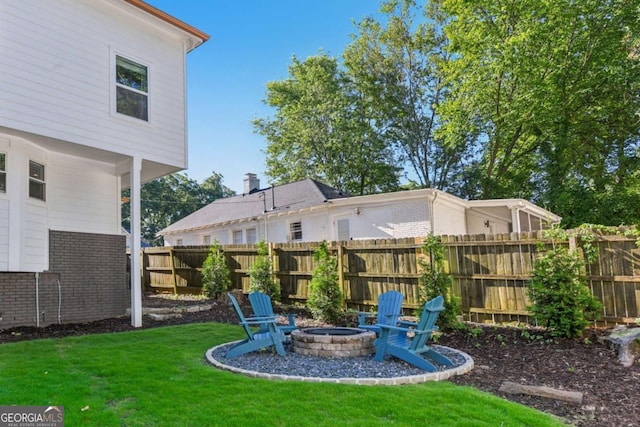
490	272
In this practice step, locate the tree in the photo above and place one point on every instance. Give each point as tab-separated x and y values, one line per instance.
325	297
394	66
216	276
435	281
550	91
261	274
320	130
561	299
170	198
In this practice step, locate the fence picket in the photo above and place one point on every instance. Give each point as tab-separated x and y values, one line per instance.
490	272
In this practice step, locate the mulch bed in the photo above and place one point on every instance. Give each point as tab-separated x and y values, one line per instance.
611	391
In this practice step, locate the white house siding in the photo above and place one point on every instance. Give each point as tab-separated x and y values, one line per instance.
35	239
82	196
4	233
449	217
58	83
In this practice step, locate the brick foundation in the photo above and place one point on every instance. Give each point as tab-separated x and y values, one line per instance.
87	280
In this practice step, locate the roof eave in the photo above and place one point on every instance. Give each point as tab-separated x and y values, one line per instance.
194	32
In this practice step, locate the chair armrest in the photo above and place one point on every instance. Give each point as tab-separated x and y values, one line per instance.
406	323
415	331
363	315
292	318
257	320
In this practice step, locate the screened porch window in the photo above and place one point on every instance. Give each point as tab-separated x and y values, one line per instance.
132	89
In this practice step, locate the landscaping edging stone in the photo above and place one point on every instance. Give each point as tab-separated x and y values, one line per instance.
412	379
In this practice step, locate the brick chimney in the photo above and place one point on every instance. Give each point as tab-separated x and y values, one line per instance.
251	183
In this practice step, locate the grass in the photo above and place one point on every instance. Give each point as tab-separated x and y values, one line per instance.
158	377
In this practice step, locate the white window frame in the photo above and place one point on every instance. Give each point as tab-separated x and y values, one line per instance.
3	173
114	86
234	233
206	239
179	242
295	231
255	235
38	180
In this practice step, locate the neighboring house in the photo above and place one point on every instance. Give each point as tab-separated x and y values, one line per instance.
92	100
311	211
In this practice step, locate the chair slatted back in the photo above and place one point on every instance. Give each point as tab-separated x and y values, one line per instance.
389	308
427	322
261	304
240	314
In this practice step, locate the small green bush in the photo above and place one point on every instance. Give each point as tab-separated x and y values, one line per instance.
216	277
261	274
325	297
435	281
561	300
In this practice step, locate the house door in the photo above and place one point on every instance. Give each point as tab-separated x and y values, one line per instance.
343	229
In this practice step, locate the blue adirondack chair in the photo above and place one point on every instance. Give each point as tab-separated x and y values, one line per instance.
389	310
394	340
267	335
262	306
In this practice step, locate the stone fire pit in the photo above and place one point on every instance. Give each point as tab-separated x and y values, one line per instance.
333	342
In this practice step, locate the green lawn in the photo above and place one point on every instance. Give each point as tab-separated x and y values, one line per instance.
159	377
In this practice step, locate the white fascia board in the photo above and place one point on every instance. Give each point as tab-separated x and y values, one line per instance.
388	197
521	204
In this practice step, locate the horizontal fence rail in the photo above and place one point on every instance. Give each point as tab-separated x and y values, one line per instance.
490	272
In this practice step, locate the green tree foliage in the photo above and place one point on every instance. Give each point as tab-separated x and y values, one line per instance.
216	276
393	64
261	274
435	281
561	300
170	198
325	297
549	90
321	130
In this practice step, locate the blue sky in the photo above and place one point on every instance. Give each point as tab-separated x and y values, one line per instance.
252	42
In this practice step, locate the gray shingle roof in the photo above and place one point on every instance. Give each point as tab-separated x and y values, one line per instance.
296	195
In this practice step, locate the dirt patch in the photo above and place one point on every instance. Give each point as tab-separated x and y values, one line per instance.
610	391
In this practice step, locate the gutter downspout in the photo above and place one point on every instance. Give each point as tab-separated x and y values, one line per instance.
432	212
37	300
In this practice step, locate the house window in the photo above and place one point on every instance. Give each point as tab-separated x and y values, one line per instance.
179	242
3	173
206	239
295	230
36	181
132	89
237	237
252	236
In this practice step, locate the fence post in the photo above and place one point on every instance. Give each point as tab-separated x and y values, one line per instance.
341	281
275	266
174	279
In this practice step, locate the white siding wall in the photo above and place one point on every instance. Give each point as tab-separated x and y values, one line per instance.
56	80
81	195
4	232
450	218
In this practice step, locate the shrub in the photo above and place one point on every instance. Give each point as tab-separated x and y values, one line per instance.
325	297
435	281
561	300
261	274
216	277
